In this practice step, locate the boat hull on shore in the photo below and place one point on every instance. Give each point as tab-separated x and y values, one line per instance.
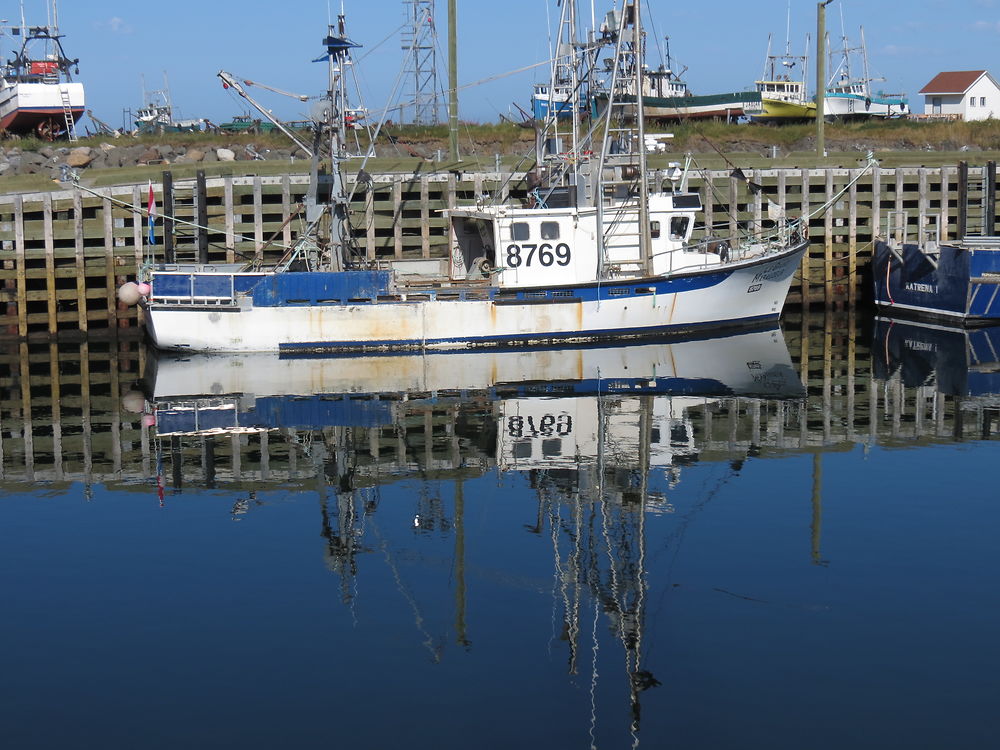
709	106
36	107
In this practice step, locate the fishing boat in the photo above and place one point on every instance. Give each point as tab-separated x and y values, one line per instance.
667	98
38	95
157	113
850	97
784	96
601	250
956	281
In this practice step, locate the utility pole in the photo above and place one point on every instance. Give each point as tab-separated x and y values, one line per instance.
452	80
821	76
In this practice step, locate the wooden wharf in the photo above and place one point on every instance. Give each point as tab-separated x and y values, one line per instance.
63	254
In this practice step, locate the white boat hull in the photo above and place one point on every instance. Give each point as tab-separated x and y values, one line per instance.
724	297
24	105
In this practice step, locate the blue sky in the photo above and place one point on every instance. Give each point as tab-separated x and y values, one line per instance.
723	44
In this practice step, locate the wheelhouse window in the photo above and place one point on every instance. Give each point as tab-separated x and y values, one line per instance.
550	230
520	231
679	227
654	229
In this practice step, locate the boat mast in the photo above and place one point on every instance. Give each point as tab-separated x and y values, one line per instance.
338	49
645	238
453	80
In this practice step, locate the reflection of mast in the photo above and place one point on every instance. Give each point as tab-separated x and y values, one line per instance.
608	547
343	534
816	527
460	624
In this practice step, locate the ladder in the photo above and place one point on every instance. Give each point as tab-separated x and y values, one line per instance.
68	114
622	197
976	200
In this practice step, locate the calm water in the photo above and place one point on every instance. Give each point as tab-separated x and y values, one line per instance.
762	541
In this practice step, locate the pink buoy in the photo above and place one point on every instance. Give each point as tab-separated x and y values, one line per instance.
143	288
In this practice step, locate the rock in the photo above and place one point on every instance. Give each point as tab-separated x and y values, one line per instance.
149	155
165	150
195	155
210	155
47	151
225	154
79	157
107	147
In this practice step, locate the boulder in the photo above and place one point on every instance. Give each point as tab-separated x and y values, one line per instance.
195	155
225	154
79	157
149	155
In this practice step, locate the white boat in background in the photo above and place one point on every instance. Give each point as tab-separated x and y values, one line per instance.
38	95
667	98
849	97
602	251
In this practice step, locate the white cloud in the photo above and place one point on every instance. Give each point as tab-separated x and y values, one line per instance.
115	25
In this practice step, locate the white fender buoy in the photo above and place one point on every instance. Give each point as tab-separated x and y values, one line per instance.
128	293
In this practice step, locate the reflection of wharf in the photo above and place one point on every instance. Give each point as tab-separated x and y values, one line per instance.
62	420
65	253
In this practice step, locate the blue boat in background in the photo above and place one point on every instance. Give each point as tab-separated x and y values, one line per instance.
957	282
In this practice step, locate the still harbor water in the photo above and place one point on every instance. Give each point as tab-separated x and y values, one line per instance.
782	539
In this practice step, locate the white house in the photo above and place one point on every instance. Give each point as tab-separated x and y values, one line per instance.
965	94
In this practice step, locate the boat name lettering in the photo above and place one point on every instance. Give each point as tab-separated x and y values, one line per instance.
914	286
754	288
772	275
518	255
920	346
547	426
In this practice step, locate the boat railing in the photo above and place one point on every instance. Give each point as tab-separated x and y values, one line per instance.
896	228
206	288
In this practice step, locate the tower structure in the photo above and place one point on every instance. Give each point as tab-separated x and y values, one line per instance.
422	95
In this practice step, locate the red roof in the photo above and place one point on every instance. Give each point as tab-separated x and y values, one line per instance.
952	82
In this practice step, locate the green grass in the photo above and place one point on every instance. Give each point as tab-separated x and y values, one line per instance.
715	145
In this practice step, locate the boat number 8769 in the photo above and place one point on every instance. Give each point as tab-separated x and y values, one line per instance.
544	254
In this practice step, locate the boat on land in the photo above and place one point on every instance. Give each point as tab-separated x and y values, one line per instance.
38	95
850	97
601	249
784	94
157	114
667	98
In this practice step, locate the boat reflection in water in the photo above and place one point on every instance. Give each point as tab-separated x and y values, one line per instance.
598	434
952	361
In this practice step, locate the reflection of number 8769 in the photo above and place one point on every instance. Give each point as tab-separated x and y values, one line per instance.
546	255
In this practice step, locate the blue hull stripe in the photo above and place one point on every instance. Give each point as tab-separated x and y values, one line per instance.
324	289
518	340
